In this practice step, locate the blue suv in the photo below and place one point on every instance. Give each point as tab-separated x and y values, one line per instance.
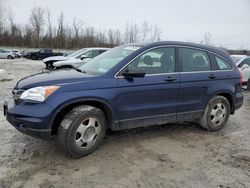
129	86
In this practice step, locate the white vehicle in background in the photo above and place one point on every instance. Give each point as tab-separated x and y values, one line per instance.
73	59
244	66
77	62
17	53
6	54
237	58
71	63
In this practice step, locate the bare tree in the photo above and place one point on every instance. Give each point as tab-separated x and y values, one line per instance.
207	38
49	29
145	30
1	19
77	25
101	38
117	37
40	32
131	32
37	22
89	36
77	28
60	30
155	33
27	36
111	37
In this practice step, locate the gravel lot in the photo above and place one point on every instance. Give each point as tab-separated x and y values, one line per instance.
161	156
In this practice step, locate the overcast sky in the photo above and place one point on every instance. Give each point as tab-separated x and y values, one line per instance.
185	20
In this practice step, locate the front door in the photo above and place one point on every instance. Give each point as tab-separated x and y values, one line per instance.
152	99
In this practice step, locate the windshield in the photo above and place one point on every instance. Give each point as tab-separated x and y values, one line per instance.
77	53
104	62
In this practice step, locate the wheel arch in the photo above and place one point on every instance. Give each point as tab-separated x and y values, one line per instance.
229	96
63	109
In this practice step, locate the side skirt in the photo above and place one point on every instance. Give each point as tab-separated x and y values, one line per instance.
156	120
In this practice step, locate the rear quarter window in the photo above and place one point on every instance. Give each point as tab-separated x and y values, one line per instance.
221	64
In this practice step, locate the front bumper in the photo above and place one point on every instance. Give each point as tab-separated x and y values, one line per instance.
25	118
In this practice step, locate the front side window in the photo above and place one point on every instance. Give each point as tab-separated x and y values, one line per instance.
156	61
78	53
42	51
194	60
88	54
246	61
101	51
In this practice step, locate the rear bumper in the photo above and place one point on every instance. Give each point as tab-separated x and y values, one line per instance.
238	100
25	122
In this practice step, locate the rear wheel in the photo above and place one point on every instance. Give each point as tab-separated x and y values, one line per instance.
216	114
82	131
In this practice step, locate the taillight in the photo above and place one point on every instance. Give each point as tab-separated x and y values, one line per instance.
241	78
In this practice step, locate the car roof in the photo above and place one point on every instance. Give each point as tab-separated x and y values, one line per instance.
238	55
95	48
212	49
242	59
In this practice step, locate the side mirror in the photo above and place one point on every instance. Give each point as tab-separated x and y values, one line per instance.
134	73
83	57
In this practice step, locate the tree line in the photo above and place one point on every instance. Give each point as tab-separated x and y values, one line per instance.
39	32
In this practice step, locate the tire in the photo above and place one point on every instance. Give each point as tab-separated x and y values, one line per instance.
10	57
33	57
82	131
216	114
49	66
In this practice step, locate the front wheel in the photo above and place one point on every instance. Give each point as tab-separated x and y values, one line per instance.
216	114
82	131
33	57
10	57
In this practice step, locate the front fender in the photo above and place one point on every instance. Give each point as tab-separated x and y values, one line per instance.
82	100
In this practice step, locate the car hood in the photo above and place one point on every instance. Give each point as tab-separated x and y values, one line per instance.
73	62
56	58
58	77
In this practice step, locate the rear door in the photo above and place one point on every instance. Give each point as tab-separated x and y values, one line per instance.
154	98
196	78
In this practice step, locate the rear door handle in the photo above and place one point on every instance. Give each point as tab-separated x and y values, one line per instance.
211	76
170	79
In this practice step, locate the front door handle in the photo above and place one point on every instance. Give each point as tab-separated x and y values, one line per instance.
170	79
211	76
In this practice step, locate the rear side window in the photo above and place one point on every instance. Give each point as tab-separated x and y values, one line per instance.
194	60
221	64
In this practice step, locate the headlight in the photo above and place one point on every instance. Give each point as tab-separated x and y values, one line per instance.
38	94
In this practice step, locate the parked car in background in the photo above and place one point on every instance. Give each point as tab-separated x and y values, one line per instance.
73	59
6	54
42	53
134	85
244	67
78	62
237	58
17	53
